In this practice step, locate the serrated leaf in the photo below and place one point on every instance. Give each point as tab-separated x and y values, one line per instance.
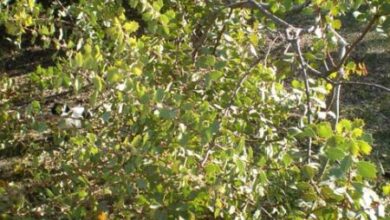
307	132
364	147
336	24
214	75
157	5
136	70
366	169
296	84
386	190
309	171
357	132
324	130
346	163
131	26
335	153
343	125
354	148
344	166
212	170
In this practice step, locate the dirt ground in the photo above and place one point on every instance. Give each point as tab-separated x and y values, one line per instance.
372	104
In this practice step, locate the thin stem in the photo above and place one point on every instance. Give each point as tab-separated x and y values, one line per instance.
354	44
221	33
307	91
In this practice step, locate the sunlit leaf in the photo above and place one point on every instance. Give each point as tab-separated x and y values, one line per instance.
366	169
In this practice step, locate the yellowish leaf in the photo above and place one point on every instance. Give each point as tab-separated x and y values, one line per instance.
102	216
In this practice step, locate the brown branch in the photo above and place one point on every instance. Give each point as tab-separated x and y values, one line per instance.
384	88
302	61
198	41
261	7
318	74
221	33
354	44
267	13
298	8
226	110
269	50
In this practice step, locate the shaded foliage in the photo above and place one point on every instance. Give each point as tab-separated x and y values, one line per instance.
211	109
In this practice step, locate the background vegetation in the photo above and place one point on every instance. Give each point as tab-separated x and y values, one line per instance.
210	109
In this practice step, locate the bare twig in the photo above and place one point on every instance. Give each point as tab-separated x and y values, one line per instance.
364	84
221	33
354	44
296	45
271	16
227	109
318	74
298	8
269	50
198	41
340	74
261	7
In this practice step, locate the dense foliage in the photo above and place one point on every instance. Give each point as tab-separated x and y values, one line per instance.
201	109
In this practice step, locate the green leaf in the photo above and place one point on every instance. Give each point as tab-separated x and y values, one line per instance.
78	59
307	132
353	148
211	171
166	113
113	75
357	123
131	26
136	142
344	125
40	126
309	171
307	191
214	75
386	190
98	83
335	141
324	130
364	147
294	131
205	61
296	84
157	5
287	159
357	132
136	70
159	95
335	153
35	106
106	116
343	168
366	169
